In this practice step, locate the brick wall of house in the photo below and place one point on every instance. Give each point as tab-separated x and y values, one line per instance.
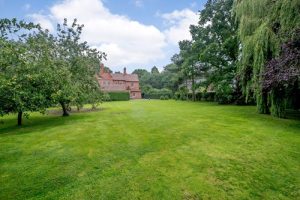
119	82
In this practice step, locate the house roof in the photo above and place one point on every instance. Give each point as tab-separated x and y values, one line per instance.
117	76
125	77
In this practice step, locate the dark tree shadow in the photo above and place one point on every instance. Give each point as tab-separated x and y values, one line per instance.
36	123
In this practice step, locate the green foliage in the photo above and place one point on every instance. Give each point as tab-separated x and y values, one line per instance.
140	72
189	96
105	97
25	77
166	97
81	63
212	53
262	26
154	93
208	96
39	69
182	94
198	96
169	78
224	93
119	96
154	70
190	65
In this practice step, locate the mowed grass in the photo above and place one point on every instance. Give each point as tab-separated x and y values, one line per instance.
151	150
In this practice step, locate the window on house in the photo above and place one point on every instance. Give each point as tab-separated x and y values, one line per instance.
133	94
131	84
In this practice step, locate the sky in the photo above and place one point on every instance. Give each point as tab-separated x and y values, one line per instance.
133	33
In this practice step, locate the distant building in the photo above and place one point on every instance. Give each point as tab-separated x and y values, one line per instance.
119	82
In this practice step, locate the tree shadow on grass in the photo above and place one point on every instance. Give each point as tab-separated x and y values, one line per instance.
58	112
39	122
8	127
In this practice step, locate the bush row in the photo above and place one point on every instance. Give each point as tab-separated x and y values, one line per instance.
164	97
157	94
116	96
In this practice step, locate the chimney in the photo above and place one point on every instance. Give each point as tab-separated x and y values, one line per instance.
124	72
101	69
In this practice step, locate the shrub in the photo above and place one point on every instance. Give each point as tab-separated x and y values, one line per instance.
208	96
106	97
166	97
154	93
198	96
176	96
119	96
224	93
189	96
182	93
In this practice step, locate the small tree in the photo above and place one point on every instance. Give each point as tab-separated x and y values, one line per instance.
154	70
24	76
282	75
38	69
190	63
77	65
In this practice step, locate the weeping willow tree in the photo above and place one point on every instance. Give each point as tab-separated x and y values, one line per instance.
263	25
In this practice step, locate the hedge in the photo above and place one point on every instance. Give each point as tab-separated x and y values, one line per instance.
119	96
158	93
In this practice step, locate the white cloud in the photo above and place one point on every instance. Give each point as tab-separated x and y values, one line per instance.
127	42
43	20
138	3
179	23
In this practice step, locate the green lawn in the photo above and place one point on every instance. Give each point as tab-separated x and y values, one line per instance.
151	150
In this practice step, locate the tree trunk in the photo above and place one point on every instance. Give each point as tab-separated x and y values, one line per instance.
262	103
64	108
20	114
193	88
186	85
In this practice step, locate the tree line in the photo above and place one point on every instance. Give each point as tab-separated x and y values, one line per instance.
241	51
39	69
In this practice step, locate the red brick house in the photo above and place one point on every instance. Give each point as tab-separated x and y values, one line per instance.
110	82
